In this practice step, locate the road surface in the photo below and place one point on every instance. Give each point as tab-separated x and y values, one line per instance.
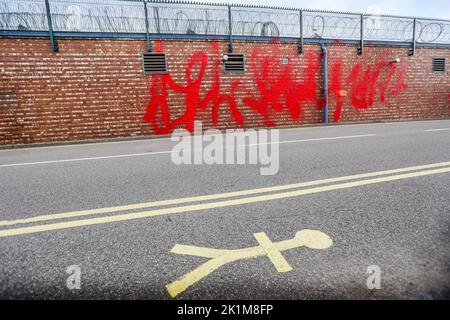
379	192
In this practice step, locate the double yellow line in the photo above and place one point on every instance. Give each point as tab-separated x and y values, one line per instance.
241	197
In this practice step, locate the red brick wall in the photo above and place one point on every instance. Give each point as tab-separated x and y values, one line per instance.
95	88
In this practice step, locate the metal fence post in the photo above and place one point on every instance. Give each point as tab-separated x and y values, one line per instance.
361	42
300	45
147	33
158	26
230	31
412	51
50	27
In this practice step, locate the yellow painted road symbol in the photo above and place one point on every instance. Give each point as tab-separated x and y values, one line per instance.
218	257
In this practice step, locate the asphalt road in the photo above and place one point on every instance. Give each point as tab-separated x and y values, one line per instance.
399	224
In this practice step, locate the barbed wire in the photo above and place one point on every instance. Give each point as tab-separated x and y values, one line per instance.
179	17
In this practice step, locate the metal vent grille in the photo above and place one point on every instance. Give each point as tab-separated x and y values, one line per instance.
235	63
154	63
438	64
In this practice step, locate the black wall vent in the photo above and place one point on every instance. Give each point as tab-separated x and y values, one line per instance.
234	62
438	64
154	63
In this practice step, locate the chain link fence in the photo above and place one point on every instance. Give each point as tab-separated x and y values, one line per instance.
172	17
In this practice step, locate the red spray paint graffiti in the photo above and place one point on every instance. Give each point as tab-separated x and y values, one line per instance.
383	78
158	106
277	89
273	88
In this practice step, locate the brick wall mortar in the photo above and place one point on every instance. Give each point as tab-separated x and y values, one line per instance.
95	88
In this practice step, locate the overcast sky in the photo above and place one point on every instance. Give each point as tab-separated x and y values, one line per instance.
418	8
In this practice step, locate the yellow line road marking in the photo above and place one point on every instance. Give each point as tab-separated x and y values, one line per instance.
273	253
81	213
306	238
212	205
198	251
